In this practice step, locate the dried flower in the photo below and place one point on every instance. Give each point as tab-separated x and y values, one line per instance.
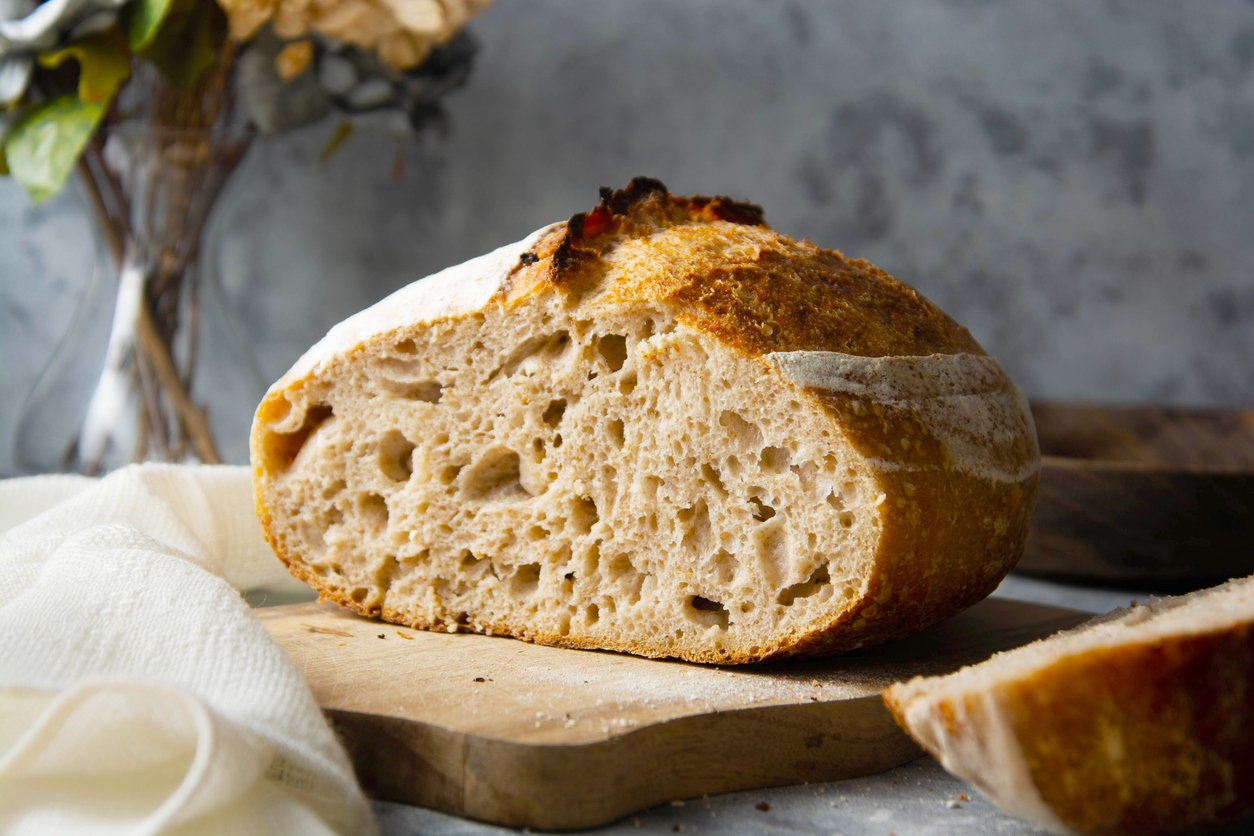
401	33
294	59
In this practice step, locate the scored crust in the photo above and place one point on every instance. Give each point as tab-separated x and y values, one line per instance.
730	400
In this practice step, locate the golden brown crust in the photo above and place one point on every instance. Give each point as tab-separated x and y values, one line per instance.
775	294
1149	737
1143	738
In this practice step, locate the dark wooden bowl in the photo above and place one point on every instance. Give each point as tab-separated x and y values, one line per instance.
1143	495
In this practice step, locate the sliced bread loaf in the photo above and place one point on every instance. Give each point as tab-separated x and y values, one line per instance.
1136	722
660	427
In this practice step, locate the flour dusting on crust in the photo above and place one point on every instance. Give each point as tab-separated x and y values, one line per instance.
460	289
965	400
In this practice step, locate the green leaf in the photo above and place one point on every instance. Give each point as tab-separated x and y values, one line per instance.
143	20
104	63
187	43
45	142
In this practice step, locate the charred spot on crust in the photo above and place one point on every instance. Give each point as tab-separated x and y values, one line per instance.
646	196
528	258
646	201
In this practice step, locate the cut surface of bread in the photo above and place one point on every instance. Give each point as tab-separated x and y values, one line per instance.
659	427
1136	722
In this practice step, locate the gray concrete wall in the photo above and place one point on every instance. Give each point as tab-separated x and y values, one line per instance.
1074	181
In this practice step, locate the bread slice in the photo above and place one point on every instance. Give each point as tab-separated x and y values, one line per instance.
659	427
1138	722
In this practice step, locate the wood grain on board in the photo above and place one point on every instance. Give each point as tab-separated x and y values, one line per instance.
519	734
1143	495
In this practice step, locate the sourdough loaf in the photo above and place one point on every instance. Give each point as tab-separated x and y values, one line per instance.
1138	722
659	427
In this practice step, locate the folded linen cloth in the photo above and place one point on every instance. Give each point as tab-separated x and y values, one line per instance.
137	693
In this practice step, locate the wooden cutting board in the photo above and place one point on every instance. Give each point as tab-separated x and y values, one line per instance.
518	734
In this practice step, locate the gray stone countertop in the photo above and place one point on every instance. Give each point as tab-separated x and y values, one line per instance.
917	798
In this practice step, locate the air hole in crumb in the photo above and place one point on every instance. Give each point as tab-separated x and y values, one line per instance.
469	560
725	566
696	521
374	510
835	501
537	533
761	511
615	428
819	578
557	441
740	430
359	594
592	614
553	412
396	456
449	473
540	349
592	558
384	573
426	391
628	384
613	349
707	613
495	477
563	626
650	487
584	514
622	572
281	449
711	475
525	581
405	347
846	519
774	459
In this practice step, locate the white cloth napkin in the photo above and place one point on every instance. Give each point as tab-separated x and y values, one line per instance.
137	693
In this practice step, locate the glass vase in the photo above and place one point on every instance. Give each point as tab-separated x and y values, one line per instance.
154	365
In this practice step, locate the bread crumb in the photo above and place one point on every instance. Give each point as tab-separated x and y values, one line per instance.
952	804
405	636
382	636
762	805
962	796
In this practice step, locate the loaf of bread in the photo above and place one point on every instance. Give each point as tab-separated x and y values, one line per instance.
1138	722
659	427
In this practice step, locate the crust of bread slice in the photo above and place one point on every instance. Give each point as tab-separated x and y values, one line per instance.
659	427
1136	722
